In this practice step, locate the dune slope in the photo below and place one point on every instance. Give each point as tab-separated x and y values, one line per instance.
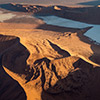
49	65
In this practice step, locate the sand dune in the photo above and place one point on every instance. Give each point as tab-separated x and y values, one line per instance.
49	65
46	62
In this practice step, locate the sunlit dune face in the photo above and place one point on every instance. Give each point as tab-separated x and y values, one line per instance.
57	8
98	5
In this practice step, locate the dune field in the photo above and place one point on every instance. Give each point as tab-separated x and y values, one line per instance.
49	52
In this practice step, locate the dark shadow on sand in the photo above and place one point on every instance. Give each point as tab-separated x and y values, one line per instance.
10	7
56	28
10	89
82	84
59	50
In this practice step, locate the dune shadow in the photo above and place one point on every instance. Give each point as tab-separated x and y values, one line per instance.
56	28
96	54
11	7
7	7
10	89
81	84
59	50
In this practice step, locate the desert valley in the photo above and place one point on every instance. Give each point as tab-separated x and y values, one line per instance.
49	51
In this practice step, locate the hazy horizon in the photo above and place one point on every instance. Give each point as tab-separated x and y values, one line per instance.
46	2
